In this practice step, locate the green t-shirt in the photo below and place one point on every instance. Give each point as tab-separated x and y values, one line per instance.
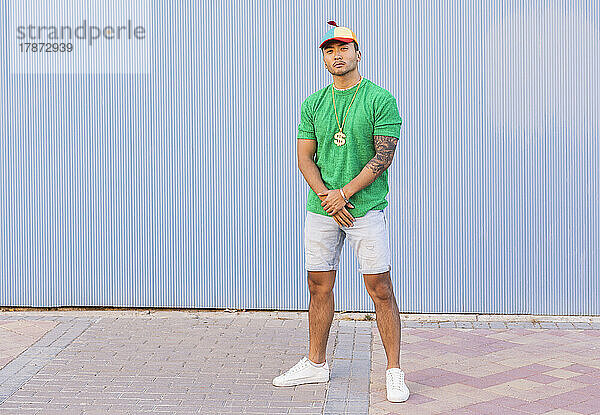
374	112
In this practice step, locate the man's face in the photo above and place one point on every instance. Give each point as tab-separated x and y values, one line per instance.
340	58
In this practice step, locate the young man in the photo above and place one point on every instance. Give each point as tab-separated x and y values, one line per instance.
352	127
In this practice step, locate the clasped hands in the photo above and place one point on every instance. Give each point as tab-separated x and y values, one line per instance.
334	204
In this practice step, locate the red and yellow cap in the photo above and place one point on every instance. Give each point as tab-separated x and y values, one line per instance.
343	34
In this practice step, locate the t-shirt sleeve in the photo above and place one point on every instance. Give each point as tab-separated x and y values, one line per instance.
306	128
387	117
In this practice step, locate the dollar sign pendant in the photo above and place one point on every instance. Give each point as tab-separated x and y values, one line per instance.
339	138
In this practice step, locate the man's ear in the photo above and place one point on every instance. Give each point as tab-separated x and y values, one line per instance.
359	56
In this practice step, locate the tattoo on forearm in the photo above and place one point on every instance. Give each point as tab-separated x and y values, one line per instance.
384	152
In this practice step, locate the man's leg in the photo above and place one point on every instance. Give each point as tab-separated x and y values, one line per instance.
381	291
320	312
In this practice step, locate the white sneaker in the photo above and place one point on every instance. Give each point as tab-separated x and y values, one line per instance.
303	372
397	391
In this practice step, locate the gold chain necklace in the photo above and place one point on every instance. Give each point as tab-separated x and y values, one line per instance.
340	138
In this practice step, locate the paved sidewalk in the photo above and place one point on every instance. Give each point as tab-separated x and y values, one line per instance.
203	362
509	369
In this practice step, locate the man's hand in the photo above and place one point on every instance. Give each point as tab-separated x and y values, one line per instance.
342	216
333	201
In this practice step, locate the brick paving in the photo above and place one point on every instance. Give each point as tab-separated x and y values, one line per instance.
22	335
26	364
203	362
494	367
348	391
174	363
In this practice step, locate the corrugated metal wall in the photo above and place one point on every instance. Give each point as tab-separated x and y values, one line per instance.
179	188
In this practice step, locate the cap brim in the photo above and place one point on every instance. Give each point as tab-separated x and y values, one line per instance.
341	39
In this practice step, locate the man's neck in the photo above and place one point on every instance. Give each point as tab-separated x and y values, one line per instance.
346	81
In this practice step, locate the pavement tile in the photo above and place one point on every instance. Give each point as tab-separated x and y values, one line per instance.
490	408
590	379
563	399
543	378
588	407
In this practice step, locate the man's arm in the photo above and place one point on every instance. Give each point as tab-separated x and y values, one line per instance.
306	163
384	153
306	150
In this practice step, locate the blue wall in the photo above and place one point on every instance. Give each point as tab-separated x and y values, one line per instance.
179	187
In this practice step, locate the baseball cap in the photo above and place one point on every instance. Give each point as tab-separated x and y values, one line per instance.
343	34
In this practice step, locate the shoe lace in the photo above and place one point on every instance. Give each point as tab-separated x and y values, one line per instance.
397	379
298	366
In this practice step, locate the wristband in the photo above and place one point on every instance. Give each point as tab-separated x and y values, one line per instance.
344	196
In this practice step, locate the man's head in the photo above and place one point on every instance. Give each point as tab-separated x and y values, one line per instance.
340	57
340	50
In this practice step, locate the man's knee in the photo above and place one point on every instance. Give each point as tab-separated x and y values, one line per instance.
321	282
379	287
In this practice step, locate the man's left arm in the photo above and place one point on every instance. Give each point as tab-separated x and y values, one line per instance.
384	153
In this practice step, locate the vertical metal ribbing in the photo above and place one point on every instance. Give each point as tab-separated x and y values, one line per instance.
180	188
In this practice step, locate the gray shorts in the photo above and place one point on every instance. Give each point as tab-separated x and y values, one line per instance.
324	238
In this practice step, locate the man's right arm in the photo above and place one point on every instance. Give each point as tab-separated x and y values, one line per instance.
306	149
